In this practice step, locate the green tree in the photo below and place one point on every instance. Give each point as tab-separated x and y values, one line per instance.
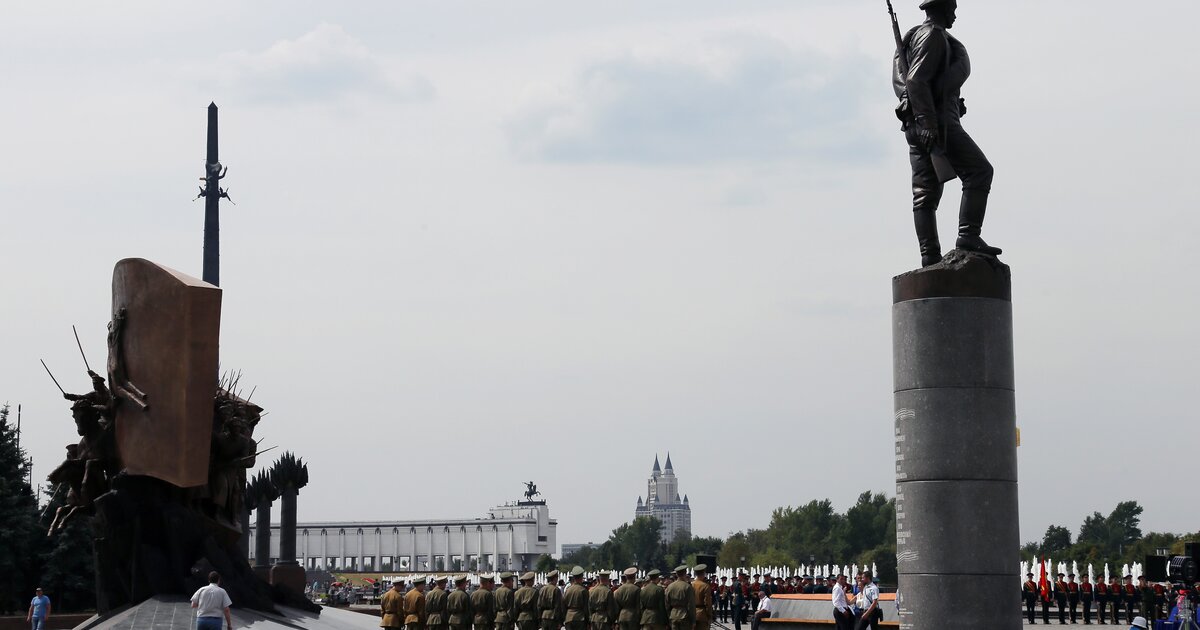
67	560
19	539
545	563
736	550
1056	540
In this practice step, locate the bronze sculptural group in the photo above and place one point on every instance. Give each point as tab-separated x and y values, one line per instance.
928	71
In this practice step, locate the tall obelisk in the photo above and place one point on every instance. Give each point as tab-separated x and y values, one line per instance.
212	193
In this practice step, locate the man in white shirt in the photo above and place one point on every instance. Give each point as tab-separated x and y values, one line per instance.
211	601
843	617
764	611
869	595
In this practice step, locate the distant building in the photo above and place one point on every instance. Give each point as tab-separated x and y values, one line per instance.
570	548
510	537
664	503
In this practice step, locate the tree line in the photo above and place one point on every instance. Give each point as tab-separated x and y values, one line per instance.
1115	538
28	558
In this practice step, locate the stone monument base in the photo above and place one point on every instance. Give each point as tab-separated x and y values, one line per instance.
289	576
165	612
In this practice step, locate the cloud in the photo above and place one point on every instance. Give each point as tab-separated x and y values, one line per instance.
738	97
324	65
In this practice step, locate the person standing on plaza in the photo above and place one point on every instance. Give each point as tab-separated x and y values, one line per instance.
550	603
602	604
1086	596
1130	596
458	605
503	597
435	604
843	618
704	602
723	600
740	592
652	601
414	605
626	599
211	603
1029	593
525	604
1072	598
1116	596
575	602
681	601
1060	598
1102	601
869	603
483	603
39	610
391	606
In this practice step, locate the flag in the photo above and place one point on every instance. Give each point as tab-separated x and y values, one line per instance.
1043	583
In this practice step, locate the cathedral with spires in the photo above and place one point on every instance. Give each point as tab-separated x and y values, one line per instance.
663	502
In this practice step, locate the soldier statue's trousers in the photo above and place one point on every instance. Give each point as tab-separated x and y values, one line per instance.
964	155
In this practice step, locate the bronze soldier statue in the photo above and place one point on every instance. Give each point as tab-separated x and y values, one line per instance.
930	69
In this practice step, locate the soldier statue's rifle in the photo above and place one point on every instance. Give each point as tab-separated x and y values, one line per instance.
64	393
85	362
941	164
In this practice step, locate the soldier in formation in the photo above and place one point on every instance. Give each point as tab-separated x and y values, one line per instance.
505	602
391	606
704	602
625	598
652	601
525	604
1087	595
458	606
575	602
1073	597
681	601
550	603
1102	601
435	605
483	604
1029	593
414	606
602	604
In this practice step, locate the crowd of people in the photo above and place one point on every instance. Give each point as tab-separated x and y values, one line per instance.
1140	603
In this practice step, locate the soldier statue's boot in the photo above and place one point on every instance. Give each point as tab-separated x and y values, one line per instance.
925	220
970	223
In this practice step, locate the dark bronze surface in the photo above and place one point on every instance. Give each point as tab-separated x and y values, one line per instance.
167	350
959	274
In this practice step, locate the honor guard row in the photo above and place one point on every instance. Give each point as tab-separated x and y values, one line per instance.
634	605
1150	600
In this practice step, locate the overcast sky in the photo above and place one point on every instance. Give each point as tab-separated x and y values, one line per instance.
548	240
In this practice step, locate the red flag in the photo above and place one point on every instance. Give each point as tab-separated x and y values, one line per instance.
1043	583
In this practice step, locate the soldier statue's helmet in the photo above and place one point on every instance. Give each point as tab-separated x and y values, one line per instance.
630	571
933	3
552	574
700	568
576	571
528	576
653	573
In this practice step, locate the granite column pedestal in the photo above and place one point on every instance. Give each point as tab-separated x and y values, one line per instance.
262	541
957	537
287	572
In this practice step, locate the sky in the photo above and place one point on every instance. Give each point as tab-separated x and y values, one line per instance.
549	240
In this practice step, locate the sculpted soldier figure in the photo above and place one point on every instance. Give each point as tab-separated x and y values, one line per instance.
930	69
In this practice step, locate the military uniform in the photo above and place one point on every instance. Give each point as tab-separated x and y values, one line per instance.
549	603
1102	601
1060	599
652	601
458	606
723	595
1047	596
1029	593
681	602
1073	597
435	607
1130	597
1116	597
391	607
483	606
1086	596
603	606
504	604
704	603
575	603
627	601
525	605
414	607
1149	606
